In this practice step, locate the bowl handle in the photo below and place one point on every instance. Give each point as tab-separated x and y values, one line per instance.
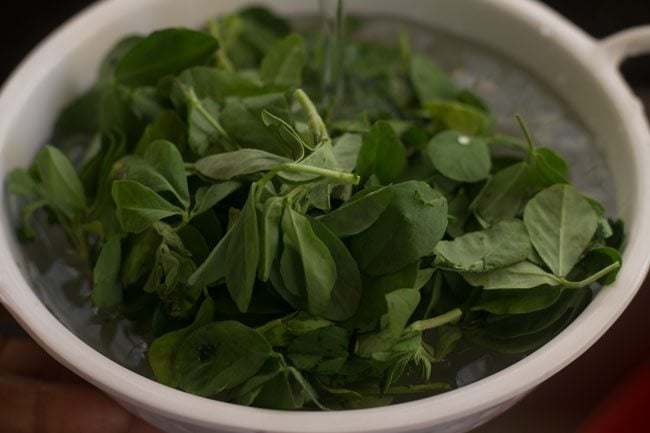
628	43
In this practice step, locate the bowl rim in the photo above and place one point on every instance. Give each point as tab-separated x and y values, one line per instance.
504	385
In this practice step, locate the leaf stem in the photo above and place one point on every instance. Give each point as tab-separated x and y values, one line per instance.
194	100
223	62
292	167
434	322
524	128
592	279
316	123
323	172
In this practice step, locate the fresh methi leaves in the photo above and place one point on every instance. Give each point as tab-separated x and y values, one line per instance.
416	220
311	221
505	243
561	223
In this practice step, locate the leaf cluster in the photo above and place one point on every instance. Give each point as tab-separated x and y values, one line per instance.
311	251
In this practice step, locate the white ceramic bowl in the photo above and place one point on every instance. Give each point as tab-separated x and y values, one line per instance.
583	70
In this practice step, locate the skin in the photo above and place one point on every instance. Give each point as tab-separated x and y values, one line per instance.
39	395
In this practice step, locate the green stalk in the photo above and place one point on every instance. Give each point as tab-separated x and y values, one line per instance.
196	103
524	128
595	277
434	322
316	123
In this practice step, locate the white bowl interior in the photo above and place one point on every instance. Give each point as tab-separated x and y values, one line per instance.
561	56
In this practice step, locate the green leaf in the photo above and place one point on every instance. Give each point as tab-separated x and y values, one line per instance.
416	220
243	254
60	183
359	213
139	207
140	257
225	166
547	168
401	305
214	84
242	119
207	197
348	287
522	275
284	62
219	356
503	244
381	154
213	268
373	299
460	157
429	81
346	150
168	161
561	224
107	290
517	301
163	350
286	133
167	126
165	52
313	270
271	219
322	351
460	117
205	133
596	260
503	196
322	157
21	182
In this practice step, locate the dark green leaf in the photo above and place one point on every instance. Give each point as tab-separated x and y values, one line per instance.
138	207
313	270
207	197
401	304
271	219
346	151
359	213
547	168
416	220
460	117
522	275
60	183
219	356
347	290
163	350
561	224
381	154
107	290
164	52
168	161
460	157
167	126
242	120
283	63
243	254
21	182
503	196
518	302
429	81
225	166
503	244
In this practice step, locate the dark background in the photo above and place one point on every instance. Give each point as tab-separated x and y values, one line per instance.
27	22
562	404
